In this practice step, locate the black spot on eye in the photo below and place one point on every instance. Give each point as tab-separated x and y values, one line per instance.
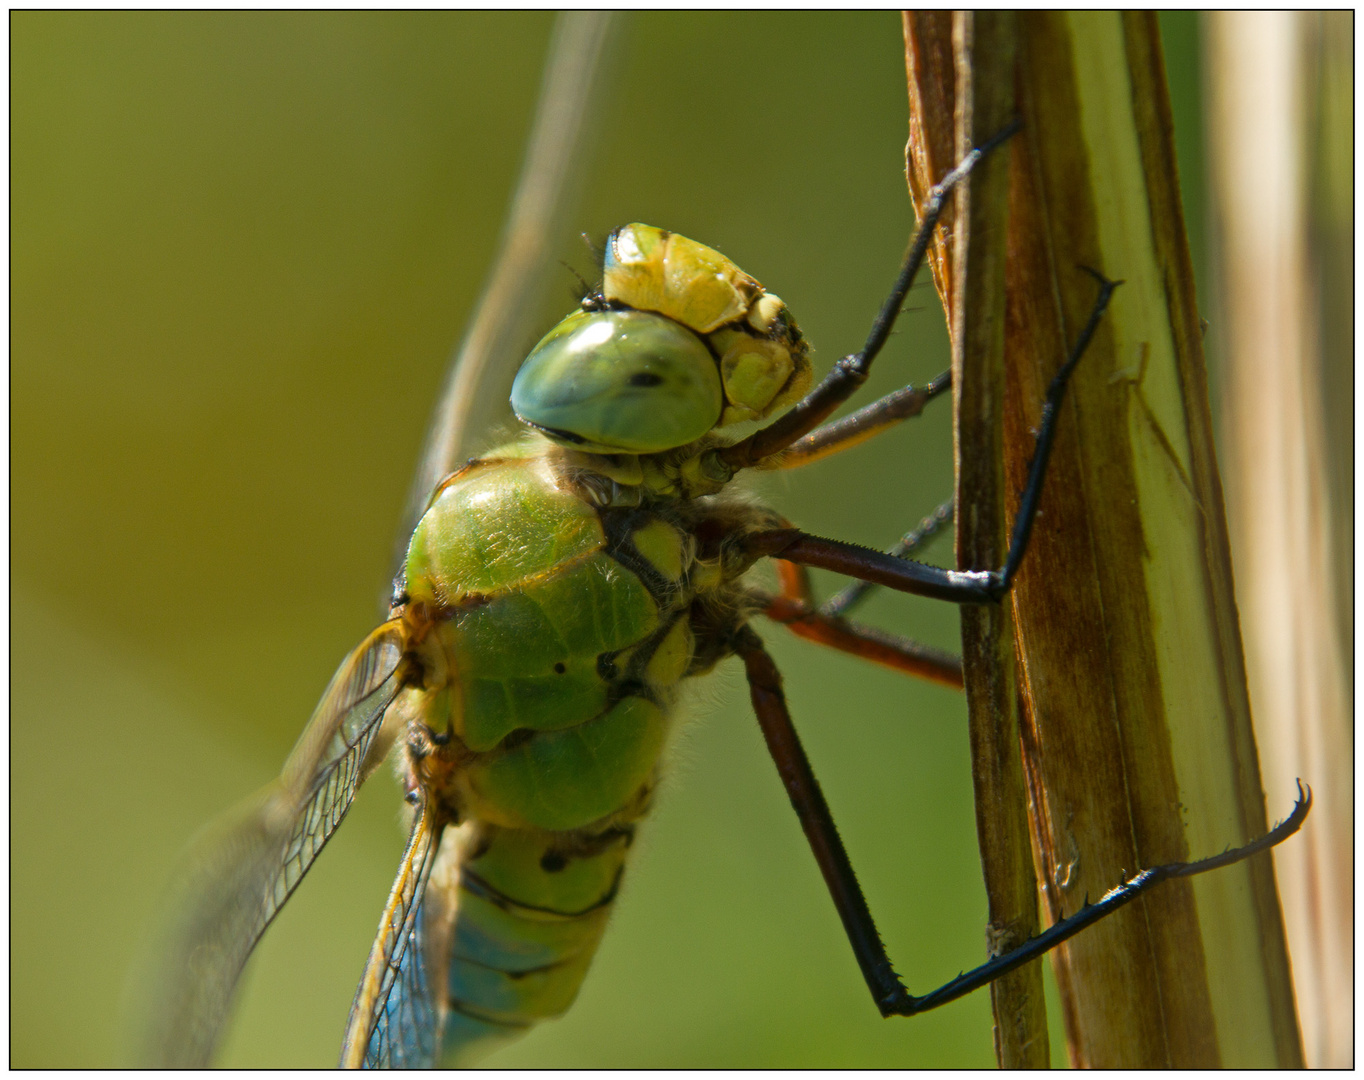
559	669
645	378
551	862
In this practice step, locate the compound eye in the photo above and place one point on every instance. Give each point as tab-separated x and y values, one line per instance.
619	382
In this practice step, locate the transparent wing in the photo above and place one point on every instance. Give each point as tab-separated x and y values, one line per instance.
407	1028
394	1018
503	326
244	866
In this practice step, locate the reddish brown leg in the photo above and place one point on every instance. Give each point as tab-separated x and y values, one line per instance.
794	608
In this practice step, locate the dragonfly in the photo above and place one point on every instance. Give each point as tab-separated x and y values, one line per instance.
555	595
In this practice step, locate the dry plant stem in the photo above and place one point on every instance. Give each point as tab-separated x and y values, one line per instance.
977	75
1137	744
1087	738
983	46
1277	327
1137	733
932	148
1245	791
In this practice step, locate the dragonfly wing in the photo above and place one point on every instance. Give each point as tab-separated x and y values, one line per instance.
245	865
395	1018
335	754
407	1031
502	328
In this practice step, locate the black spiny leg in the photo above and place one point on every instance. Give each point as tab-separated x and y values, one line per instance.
889	993
868	421
959	586
851	371
1117	897
850	596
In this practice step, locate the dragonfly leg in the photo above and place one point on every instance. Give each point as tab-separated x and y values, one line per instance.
769	703
889	993
959	586
856	428
794	608
1115	898
852	371
850	596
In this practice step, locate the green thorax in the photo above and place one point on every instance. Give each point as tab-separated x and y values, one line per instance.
552	633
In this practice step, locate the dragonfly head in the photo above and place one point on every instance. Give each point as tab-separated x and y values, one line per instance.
680	342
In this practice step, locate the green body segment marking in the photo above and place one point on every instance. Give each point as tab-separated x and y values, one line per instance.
528	659
557	632
498	525
517	863
515	961
568	779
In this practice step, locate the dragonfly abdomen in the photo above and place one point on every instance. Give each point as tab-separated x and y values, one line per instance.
530	910
560	631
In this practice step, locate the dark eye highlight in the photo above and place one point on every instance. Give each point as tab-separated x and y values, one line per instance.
645	378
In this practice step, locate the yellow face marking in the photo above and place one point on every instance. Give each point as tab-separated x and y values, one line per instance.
753	372
654	270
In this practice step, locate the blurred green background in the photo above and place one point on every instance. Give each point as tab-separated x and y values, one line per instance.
243	247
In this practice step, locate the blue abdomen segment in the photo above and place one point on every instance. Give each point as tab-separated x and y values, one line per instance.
517	961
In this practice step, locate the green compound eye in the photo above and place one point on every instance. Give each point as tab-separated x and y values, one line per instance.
619	382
